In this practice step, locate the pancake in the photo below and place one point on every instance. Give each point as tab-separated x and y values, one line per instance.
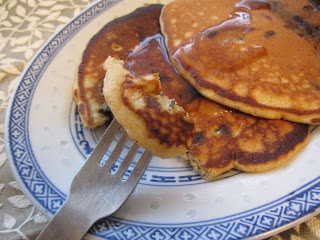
150	118
225	138
88	84
244	55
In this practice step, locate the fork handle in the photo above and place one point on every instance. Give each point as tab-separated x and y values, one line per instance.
67	223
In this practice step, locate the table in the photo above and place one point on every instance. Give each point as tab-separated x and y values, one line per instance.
24	26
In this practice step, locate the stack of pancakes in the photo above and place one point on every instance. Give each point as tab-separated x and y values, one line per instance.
237	79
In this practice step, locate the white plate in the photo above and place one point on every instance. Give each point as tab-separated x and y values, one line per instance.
47	145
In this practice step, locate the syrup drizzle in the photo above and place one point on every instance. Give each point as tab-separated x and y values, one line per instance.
143	48
222	48
150	56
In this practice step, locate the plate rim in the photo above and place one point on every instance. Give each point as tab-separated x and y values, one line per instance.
10	156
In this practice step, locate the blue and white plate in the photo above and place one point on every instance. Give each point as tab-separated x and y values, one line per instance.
47	145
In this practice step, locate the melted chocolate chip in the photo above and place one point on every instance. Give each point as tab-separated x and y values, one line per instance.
307	8
298	19
211	34
163	77
269	34
226	130
198	138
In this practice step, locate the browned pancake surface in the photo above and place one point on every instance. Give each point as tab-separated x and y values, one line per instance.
149	117
244	55
116	39
225	137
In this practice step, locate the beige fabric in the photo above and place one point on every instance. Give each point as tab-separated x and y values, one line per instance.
18	217
24	26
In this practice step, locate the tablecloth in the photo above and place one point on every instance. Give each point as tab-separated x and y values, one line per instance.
25	25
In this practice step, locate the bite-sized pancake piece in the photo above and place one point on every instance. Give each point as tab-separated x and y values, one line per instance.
242	54
150	118
225	138
116	39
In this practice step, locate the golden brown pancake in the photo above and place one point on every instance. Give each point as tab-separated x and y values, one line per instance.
242	54
150	118
116	39
225	138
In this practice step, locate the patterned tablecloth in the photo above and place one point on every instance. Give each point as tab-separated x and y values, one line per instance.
24	26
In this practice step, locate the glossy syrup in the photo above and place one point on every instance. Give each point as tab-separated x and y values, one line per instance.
150	56
223	48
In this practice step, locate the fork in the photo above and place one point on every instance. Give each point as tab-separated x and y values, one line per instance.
96	191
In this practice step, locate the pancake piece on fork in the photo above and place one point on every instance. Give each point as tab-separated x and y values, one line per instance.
243	54
225	138
151	119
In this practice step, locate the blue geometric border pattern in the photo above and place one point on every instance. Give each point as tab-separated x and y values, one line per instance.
254	222
48	196
284	211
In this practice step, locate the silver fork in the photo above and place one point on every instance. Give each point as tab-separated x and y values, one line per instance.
96	192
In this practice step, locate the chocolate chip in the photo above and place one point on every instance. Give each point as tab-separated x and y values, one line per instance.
298	19
225	130
163	77
211	34
197	138
172	103
317	86
308	8
269	34
269	17
217	131
105	110
304	24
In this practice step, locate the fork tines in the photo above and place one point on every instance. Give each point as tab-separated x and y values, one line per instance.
105	144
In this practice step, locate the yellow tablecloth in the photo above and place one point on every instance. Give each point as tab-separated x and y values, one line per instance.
24	26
